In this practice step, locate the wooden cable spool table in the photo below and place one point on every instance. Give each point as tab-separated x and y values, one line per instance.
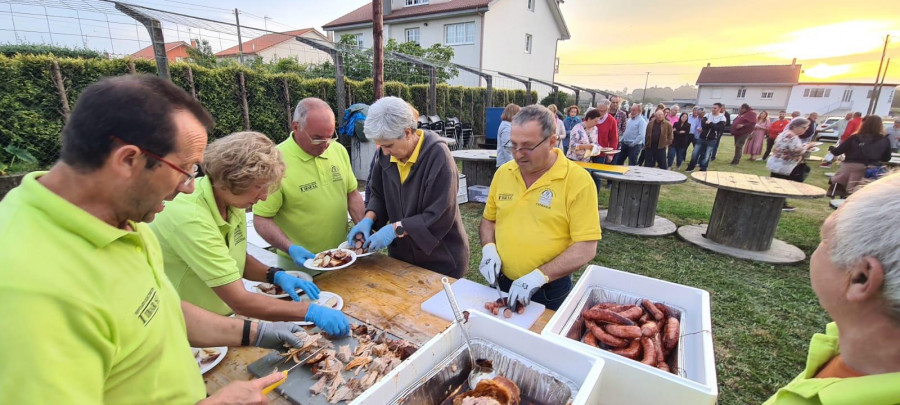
745	216
478	165
382	291
633	199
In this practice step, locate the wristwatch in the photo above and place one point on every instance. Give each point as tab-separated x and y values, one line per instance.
398	230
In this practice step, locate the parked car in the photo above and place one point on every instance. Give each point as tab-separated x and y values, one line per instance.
829	134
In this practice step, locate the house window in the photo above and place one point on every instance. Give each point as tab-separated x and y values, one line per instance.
412	35
716	93
817	93
742	93
527	43
767	94
459	34
416	2
848	94
357	38
531	5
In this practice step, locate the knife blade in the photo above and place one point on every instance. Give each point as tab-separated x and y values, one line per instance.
270	388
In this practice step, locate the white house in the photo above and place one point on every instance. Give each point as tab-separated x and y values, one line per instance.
518	37
774	88
271	47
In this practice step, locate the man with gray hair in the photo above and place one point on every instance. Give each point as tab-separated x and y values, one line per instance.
308	213
615	109
855	273
413	193
540	223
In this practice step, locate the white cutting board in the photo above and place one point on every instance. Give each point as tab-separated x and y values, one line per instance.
472	296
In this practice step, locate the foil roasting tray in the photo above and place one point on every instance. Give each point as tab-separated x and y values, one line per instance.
538	385
574	327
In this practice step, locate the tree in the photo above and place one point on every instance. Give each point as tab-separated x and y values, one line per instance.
203	54
10	50
564	100
358	62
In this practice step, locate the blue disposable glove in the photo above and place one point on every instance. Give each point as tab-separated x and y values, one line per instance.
299	254
332	321
364	227
524	287
290	284
381	239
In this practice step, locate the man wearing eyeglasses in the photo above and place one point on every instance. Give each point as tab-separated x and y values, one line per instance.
308	214
540	223
88	314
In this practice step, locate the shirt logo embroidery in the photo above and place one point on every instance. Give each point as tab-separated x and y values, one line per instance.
147	310
336	174
546	198
238	236
308	186
505	197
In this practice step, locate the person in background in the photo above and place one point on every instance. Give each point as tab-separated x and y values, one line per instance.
503	154
727	115
643	156
675	112
741	129
560	127
810	133
787	155
893	134
868	147
712	128
633	138
607	132
551	200
839	127
657	138
308	213
754	145
203	238
855	273
696	130
775	129
795	114
681	139
570	122
621	115
413	203
584	138
667	113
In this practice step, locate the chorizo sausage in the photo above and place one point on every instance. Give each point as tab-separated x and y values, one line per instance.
655	312
649	328
649	351
589	339
632	351
605	315
644	318
667	310
671	337
657	344
622	331
633	313
663	366
604	337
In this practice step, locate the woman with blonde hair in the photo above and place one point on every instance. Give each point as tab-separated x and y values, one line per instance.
754	146
560	126
203	237
503	153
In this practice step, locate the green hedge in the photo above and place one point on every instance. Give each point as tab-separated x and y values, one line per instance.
31	110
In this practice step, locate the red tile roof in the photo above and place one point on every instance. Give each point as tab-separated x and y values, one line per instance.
364	13
147	53
265	41
766	74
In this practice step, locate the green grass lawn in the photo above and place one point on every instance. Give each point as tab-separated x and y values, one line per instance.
762	315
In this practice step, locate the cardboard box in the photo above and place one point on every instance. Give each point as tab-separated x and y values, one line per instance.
582	369
629	381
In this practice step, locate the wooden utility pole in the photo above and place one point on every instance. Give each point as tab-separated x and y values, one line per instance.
877	94
237	22
869	110
378	47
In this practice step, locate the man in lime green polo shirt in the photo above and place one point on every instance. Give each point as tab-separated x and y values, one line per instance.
541	216
308	214
88	315
855	273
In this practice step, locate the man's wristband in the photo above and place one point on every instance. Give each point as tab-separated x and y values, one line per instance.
245	337
270	274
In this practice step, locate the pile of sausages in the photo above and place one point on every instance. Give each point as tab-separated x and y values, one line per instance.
646	332
501	304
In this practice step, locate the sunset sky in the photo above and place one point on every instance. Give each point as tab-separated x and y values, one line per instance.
613	44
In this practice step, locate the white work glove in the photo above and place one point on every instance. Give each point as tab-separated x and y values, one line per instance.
490	263
524	287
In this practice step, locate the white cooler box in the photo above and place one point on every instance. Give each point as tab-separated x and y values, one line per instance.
541	366
627	381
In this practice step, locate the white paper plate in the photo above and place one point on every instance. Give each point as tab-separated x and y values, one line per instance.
209	366
308	263
345	246
251	285
324	296
817	143
814	150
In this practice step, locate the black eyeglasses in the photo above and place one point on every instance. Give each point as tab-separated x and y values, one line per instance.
189	176
508	145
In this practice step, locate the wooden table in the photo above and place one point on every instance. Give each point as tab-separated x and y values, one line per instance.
745	216
377	289
478	165
632	201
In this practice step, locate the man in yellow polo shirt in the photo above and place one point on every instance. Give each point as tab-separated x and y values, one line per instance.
540	223
87	315
855	273
308	214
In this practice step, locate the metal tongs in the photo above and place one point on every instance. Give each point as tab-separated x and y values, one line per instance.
478	372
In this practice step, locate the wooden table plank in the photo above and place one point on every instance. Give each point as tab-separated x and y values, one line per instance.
377	289
773	187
